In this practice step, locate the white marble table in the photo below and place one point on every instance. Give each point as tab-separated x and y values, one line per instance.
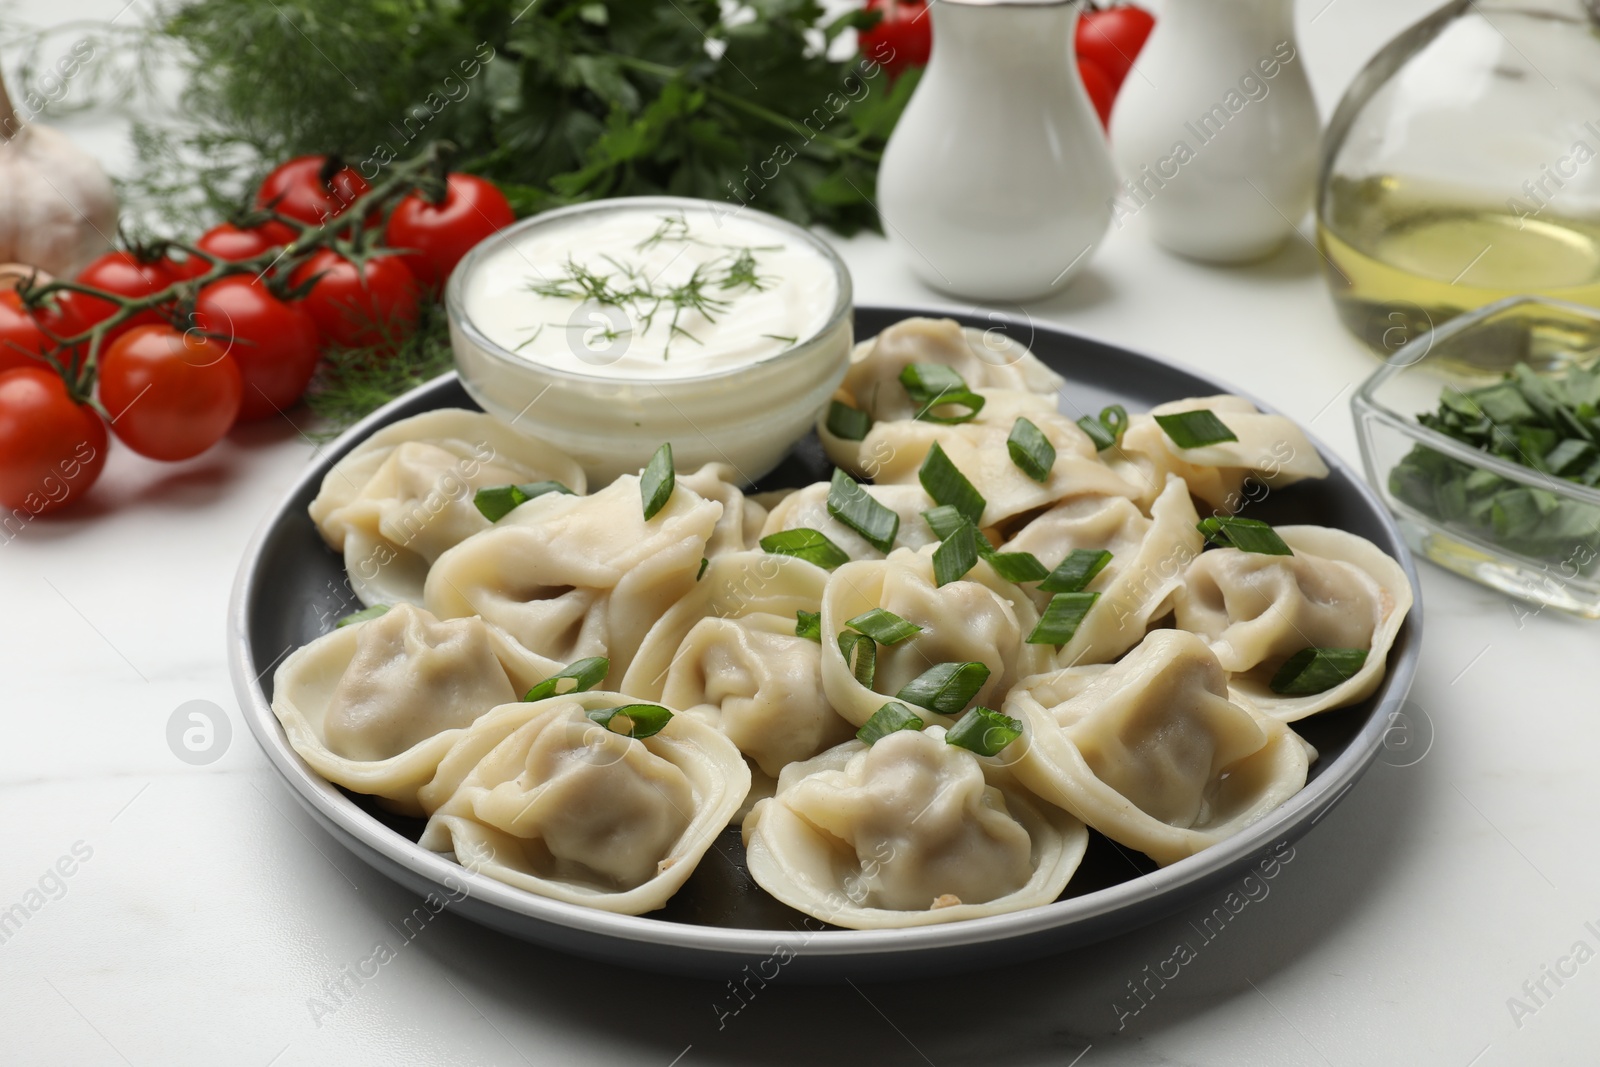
206	920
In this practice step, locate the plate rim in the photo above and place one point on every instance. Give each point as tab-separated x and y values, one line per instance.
1287	822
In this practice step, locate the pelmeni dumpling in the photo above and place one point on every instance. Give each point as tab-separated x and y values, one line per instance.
1337	591
739	528
979	619
728	653
908	832
542	797
403	496
373	706
577	576
808	509
1148	560
983	359
1270	447
894	453
1151	752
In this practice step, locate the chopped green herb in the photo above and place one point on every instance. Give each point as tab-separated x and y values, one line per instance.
584	674
891	718
984	731
1061	618
860	510
657	482
934	388
701	573
947	485
846	422
808	624
956	554
1195	429
810	545
498	501
946	688
1316	670
1107	430
945	521
1030	450
1077	570
860	655
1247	535
364	615
633	720
883	626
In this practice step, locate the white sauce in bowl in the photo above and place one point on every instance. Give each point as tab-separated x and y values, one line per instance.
650	294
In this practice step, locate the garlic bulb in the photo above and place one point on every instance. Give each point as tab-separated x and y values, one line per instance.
57	207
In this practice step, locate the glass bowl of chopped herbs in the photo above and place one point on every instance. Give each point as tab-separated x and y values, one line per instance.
1483	437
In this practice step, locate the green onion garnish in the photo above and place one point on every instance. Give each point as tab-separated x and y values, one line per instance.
861	511
956	555
808	624
498	501
1030	450
637	720
584	674
1316	670
883	626
984	731
701	573
945	521
946	688
1195	429
949	486
846	422
1076	571
1247	535
657	482
890	718
810	545
1107	430
934	385
860	655
364	615
1061	618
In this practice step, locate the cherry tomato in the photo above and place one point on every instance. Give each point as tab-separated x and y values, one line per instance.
170	395
124	274
375	304
1102	94
24	334
438	235
227	241
273	343
51	447
1112	37
302	192
902	38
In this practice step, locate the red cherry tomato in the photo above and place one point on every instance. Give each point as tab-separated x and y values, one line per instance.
24	334
51	447
302	192
121	273
273	343
170	395
1102	94
227	241
902	38
438	235
1112	37
375	304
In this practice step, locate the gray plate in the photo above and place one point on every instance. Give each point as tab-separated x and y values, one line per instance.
290	588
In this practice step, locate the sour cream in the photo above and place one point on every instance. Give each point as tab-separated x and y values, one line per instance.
651	293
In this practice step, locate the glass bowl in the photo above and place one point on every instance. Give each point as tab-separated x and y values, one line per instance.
1525	532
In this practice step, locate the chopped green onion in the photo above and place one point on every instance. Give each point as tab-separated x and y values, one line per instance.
846	422
884	627
1107	430
1316	670
1061	618
1076	571
808	624
956	555
498	501
584	674
891	718
946	688
364	615
860	510
860	655
945	522
810	545
637	720
1030	450
1195	429
984	731
657	482
947	485
701	573
1247	535
934	385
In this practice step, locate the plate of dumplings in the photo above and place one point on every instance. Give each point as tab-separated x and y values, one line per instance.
1033	641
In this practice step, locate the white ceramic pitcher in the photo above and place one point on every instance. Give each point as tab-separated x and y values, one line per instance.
996	183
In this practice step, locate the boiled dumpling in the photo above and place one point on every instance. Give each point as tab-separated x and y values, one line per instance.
403	496
374	705
1150	751
739	528
544	798
1337	591
979	619
578	576
908	832
983	359
808	509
